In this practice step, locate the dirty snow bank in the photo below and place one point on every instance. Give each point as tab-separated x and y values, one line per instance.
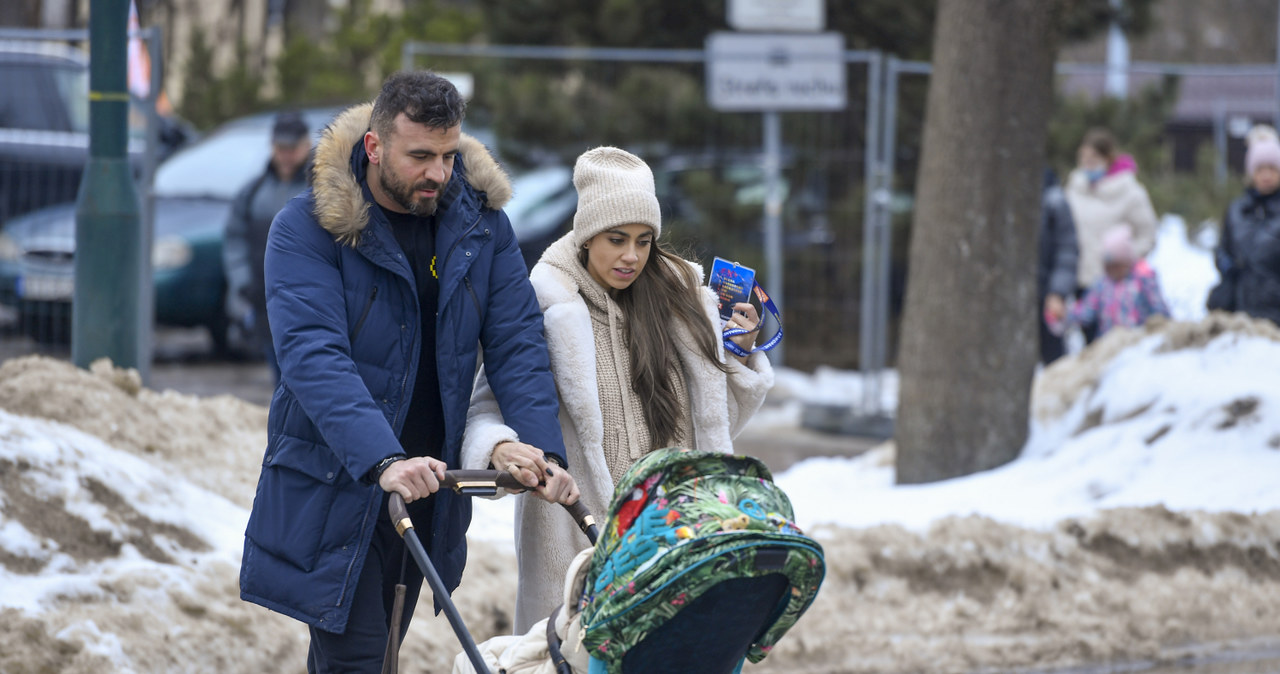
1184	415
110	563
1177	420
210	441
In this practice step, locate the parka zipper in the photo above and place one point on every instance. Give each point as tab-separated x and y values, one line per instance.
466	280
364	314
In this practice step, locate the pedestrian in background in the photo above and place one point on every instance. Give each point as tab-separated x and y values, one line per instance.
385	282
1248	251
638	360
244	244
1122	297
1056	269
1103	192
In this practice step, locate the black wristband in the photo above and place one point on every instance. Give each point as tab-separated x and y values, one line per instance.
380	467
554	459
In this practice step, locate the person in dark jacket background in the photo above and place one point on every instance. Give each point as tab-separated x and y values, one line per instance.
1056	270
1248	252
244	244
384	281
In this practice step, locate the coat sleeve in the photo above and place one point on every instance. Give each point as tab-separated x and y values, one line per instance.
1142	218
1085	312
307	310
517	365
1066	247
748	385
485	426
1151	294
1223	295
235	244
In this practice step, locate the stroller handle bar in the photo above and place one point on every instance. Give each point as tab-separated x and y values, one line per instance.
466	483
487	483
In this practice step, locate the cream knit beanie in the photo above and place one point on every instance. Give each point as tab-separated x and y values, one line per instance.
615	188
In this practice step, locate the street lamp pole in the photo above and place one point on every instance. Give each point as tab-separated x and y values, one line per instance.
108	260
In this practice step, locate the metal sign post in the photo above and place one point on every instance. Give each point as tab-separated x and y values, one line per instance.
769	73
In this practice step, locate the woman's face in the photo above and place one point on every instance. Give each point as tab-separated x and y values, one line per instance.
1089	159
616	257
1266	179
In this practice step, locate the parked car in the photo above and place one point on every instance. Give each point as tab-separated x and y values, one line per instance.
44	125
541	209
193	192
708	199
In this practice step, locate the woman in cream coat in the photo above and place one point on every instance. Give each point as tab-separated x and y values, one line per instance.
636	357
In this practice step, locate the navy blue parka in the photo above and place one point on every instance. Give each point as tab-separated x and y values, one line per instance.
345	321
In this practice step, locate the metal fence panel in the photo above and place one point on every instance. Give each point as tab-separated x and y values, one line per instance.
708	165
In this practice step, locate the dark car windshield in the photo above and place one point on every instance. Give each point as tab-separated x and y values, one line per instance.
60	101
218	166
227	159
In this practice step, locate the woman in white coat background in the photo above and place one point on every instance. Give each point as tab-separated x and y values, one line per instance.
637	358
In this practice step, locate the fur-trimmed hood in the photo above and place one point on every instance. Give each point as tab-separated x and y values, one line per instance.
341	208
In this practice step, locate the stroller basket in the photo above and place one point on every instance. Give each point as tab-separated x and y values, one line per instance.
700	562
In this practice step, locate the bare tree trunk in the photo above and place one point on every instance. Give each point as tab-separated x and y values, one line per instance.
969	329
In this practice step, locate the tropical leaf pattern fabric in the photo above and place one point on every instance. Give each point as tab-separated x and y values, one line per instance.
682	521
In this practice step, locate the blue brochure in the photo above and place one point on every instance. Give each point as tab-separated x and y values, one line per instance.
732	283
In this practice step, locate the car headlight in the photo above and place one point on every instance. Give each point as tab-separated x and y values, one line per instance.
170	253
10	251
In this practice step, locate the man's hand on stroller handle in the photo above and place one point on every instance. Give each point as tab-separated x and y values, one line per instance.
529	465
413	478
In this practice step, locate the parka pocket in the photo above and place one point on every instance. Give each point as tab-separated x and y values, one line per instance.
296	491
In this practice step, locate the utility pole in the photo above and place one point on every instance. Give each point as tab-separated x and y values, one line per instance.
108	260
1117	56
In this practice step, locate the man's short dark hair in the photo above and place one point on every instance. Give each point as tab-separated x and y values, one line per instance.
423	96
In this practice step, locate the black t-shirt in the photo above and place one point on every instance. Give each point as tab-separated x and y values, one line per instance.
423	431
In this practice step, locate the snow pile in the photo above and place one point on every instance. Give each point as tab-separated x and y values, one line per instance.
193	435
1185	268
124	557
110	562
1185	415
971	594
1141	521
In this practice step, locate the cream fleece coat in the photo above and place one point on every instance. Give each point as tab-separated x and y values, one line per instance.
546	537
1117	199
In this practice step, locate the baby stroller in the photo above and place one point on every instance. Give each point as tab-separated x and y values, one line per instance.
699	568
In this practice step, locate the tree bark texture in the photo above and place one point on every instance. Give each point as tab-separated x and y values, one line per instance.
969	333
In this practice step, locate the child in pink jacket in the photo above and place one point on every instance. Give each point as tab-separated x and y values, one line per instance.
1123	296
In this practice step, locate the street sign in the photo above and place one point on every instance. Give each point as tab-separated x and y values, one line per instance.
775	15
759	72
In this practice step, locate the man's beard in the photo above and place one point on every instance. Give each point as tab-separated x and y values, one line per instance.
402	194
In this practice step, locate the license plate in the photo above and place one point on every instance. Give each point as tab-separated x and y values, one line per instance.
46	287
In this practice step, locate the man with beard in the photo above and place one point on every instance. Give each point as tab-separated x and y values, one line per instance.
383	282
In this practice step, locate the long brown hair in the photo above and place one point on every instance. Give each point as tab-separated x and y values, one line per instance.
666	288
1102	142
